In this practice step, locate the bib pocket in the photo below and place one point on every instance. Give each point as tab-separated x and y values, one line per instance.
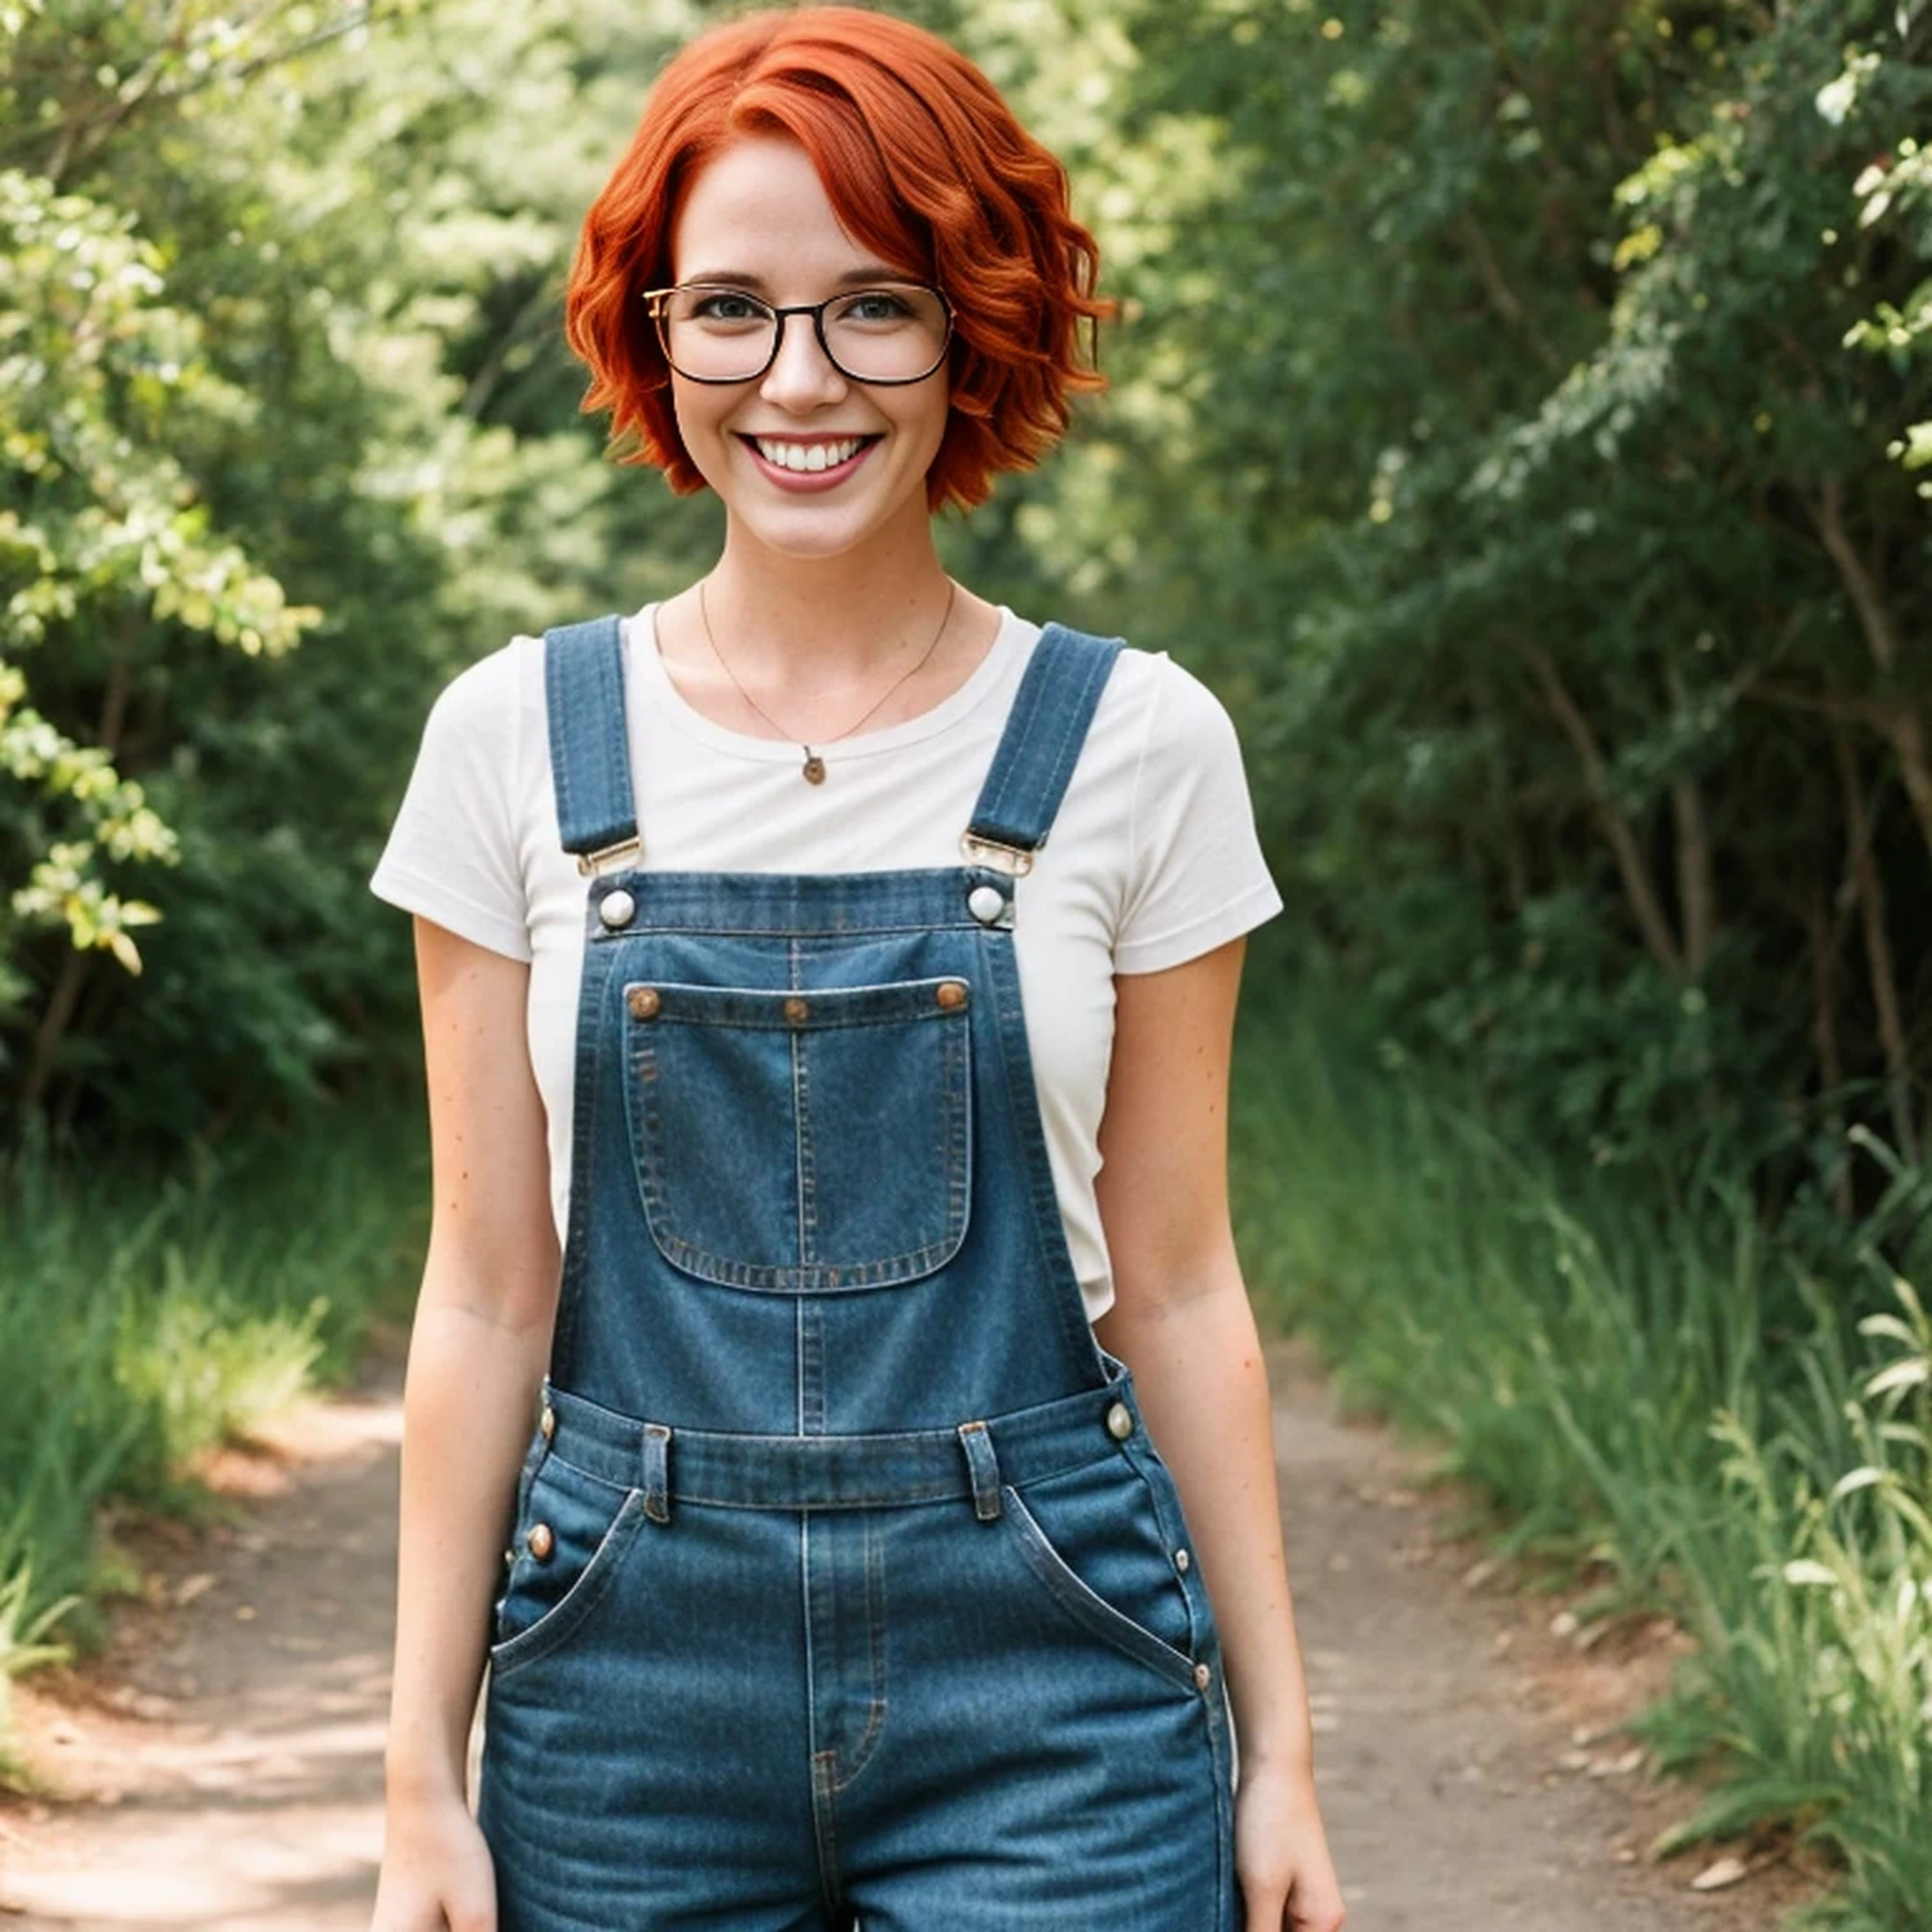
811	1140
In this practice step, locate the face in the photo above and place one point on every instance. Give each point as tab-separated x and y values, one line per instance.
757	218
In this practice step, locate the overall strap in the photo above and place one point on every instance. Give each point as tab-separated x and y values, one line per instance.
1041	743
590	756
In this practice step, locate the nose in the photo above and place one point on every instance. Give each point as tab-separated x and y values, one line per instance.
801	375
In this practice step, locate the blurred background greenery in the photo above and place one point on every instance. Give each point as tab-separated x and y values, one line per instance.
1522	414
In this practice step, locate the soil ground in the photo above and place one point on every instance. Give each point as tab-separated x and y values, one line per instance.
219	1770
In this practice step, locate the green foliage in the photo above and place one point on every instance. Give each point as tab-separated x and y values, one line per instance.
1514	428
151	1314
1678	1416
284	362
1523	415
100	529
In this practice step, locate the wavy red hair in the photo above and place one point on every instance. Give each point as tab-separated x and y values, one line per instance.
922	160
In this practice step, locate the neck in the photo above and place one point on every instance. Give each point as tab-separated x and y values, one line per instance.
790	621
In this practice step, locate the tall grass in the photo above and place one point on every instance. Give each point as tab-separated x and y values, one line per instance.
148	1313
1641	1381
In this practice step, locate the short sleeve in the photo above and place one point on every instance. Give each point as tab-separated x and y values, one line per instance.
452	852
1198	878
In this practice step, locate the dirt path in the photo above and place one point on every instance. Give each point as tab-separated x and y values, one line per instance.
226	1758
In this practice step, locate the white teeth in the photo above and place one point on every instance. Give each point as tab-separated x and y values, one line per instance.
807	457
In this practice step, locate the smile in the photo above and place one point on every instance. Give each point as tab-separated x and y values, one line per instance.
788	453
796	464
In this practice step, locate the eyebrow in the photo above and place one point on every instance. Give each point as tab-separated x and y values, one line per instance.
852	278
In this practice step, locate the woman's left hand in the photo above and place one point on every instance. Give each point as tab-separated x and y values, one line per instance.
1281	1855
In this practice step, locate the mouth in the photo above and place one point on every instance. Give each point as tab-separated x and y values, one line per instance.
810	461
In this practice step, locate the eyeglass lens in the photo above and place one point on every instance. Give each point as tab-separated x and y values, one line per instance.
894	334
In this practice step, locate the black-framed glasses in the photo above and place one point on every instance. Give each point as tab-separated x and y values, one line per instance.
891	333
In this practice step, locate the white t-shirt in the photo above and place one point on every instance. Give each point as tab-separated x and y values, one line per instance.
1153	858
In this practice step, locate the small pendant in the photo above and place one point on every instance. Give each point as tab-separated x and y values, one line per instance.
814	766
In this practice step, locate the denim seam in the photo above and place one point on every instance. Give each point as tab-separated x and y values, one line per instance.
810	1275
1086	1607
825	1817
1045	1223
1175	1535
1044	789
584	1141
862	1752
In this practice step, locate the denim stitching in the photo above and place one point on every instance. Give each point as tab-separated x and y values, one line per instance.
862	1752
1023	794
810	1275
1023	1108
565	1617
1011	757
804	1159
1089	1609
1053	789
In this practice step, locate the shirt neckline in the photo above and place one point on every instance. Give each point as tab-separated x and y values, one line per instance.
653	682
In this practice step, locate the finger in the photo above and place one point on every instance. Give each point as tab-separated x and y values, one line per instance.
1264	1904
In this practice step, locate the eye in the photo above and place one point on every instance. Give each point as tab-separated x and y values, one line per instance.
728	305
875	305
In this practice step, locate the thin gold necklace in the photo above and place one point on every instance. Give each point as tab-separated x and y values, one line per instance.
814	766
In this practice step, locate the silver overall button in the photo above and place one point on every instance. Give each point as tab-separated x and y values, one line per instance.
1183	1561
1120	1422
617	909
1203	1676
986	903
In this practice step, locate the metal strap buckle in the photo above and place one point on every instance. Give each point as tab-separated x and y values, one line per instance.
588	863
1015	861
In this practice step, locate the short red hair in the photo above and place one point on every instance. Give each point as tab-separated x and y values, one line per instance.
922	160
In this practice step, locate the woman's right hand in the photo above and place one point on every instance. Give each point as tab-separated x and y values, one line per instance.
477	1350
436	1871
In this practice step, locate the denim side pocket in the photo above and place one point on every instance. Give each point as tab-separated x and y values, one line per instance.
1093	1538
573	1529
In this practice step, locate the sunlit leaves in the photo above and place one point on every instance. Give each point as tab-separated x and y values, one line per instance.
96	370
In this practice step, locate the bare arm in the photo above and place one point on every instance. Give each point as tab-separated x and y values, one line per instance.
477	1354
1181	1321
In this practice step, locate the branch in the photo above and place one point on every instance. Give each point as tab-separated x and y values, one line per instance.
1880	635
84	133
1502	297
1871	897
1899	724
1697	884
1637	884
1696	888
1822	944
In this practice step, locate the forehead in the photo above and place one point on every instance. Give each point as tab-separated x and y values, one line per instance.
759	206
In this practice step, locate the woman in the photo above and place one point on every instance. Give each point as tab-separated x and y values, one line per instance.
844	1582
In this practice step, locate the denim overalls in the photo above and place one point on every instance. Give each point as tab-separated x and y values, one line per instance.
846	1583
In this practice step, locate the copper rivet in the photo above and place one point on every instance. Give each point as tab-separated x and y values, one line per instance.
542	1541
1203	1676
1120	1422
795	1011
643	1002
952	995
